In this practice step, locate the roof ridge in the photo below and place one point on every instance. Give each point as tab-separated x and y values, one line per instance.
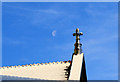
26	65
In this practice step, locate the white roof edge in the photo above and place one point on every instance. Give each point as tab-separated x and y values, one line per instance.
76	67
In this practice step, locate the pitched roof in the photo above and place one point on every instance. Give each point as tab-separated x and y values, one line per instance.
47	71
64	70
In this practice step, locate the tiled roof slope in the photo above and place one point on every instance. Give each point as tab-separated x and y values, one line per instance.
46	71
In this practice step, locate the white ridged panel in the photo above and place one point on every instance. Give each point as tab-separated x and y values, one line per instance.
46	71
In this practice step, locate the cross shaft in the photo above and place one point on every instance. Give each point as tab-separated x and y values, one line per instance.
77	45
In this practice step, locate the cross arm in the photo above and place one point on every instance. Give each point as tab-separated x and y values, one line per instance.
74	34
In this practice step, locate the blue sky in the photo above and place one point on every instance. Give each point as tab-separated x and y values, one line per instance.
42	32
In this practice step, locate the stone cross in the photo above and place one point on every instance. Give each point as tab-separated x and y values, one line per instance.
77	45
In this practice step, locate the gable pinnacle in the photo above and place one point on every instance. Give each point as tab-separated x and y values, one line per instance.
77	45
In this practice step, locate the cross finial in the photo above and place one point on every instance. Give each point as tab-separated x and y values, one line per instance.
77	45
